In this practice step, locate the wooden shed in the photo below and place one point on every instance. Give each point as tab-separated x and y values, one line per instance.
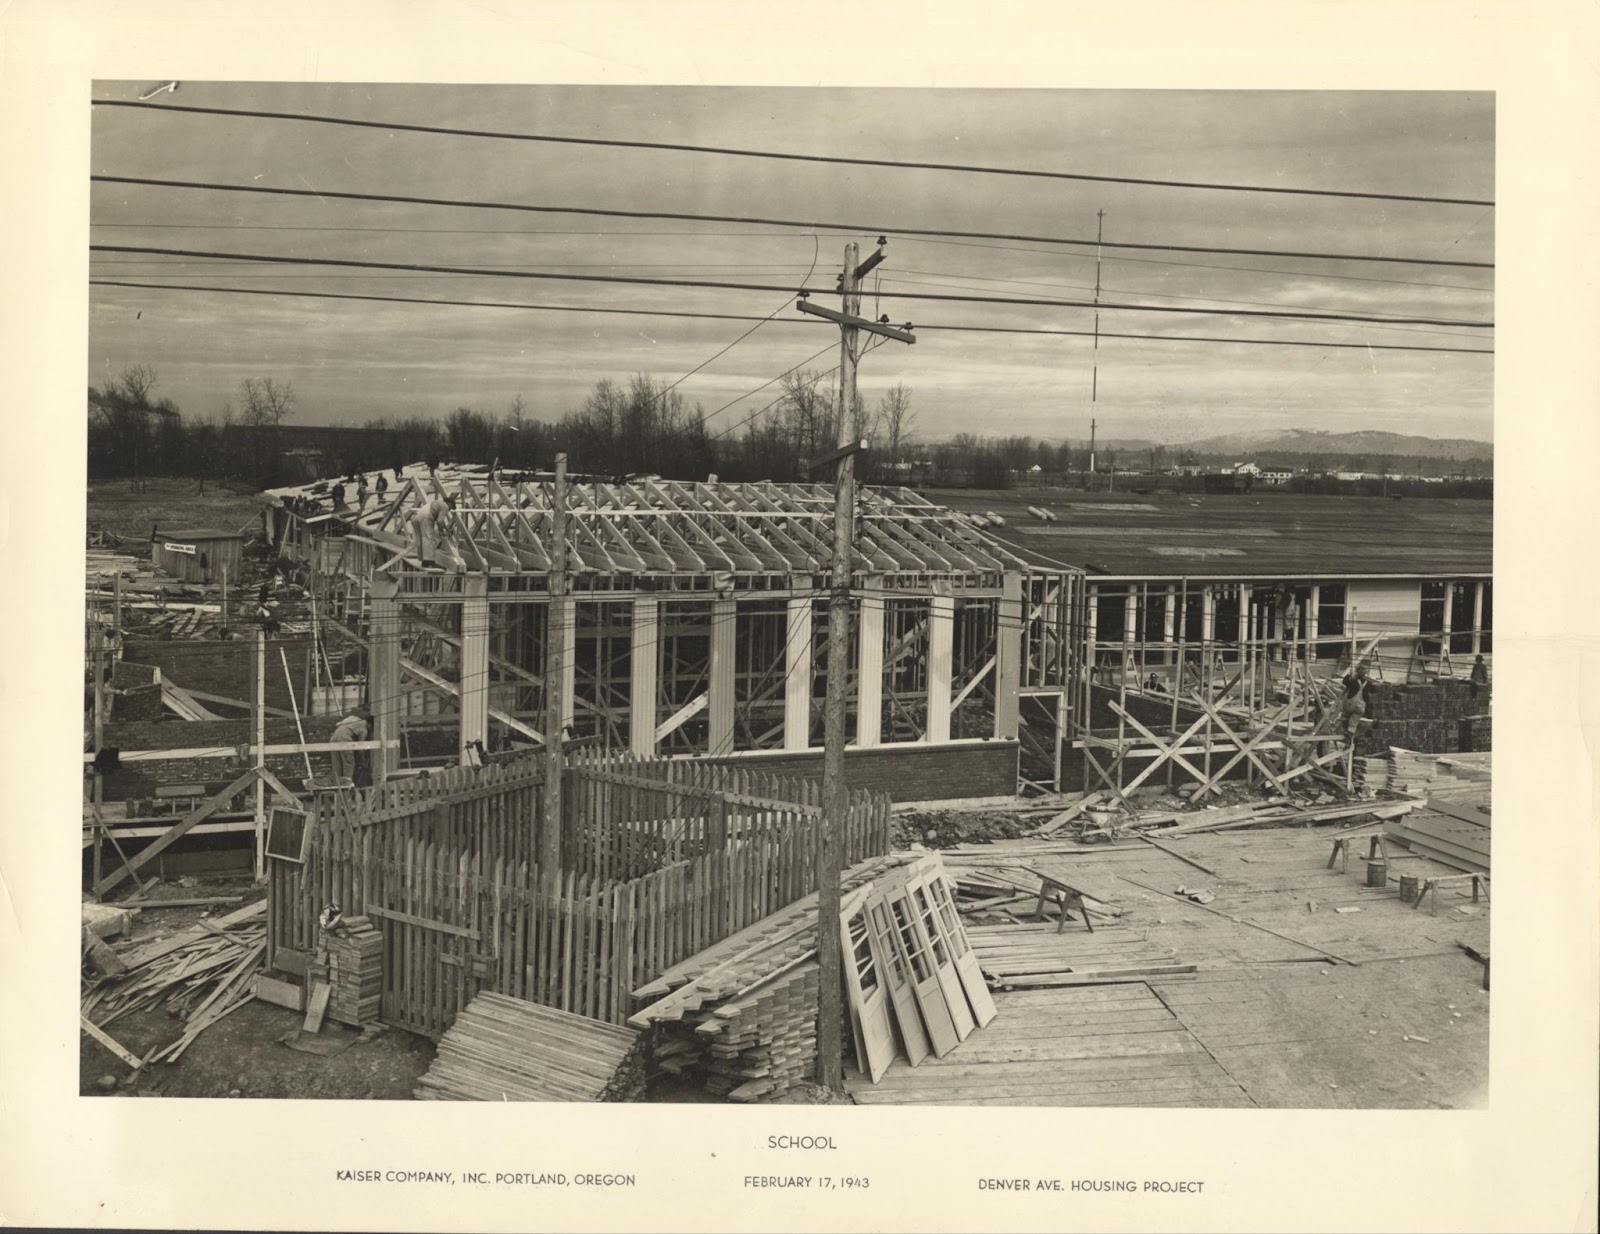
197	554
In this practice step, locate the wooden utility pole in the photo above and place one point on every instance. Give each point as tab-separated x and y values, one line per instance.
261	756
554	676
835	788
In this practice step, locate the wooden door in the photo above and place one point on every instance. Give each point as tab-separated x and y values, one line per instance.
966	960
869	1000
925	919
924	978
897	977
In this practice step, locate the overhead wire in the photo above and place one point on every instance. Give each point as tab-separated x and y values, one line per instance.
747	152
804	224
688	314
722	285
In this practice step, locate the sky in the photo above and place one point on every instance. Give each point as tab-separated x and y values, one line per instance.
350	361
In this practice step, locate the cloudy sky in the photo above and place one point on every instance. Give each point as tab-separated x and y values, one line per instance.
351	360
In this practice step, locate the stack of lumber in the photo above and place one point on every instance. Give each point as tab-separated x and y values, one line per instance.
765	1041
1422	775
1451	834
504	1049
355	967
741	1014
1023	956
199	975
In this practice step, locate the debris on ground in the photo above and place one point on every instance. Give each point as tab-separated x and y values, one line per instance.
200	975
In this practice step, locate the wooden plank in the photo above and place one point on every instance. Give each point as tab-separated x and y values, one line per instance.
175	832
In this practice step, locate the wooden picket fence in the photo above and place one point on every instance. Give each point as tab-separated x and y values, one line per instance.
625	817
663	859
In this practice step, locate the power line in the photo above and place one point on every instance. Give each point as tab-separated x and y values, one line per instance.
684	313
563	231
719	285
1187	265
744	152
680	216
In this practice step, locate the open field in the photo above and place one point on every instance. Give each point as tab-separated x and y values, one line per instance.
173	503
1255	533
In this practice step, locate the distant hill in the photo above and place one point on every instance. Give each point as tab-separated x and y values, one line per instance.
1362	442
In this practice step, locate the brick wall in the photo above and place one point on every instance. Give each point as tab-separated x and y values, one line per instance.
909	772
135	781
225	667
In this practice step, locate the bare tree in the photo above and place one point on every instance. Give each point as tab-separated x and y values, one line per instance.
135	384
896	420
267	403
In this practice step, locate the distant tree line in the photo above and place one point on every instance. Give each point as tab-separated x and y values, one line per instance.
640	426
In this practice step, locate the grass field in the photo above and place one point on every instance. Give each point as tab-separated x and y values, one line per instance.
1156	534
175	504
1257	533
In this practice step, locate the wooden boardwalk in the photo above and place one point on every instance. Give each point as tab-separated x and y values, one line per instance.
1112	1045
1294	1004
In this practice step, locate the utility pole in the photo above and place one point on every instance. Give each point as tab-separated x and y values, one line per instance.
1094	378
835	788
554	675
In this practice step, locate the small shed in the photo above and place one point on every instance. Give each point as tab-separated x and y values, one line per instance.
197	554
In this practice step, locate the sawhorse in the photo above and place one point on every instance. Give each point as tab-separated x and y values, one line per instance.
1341	849
1066	898
1430	888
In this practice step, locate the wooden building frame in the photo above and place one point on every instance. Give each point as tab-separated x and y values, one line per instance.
1248	663
694	620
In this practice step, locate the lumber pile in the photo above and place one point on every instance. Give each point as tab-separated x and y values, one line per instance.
1453	835
355	970
1422	775
199	975
741	1015
504	1049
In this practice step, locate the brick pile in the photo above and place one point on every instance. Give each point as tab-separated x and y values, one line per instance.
355	972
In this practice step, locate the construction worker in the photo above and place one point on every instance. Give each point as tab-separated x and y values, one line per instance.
1354	706
1480	676
354	727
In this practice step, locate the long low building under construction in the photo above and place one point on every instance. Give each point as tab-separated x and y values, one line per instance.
693	622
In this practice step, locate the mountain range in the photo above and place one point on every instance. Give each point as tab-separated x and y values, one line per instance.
1315	441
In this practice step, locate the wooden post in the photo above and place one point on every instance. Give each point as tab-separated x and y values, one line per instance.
261	755
1176	684
643	659
474	696
797	667
941	638
558	643
1008	656
383	674
1477	618
720	679
869	662
1449	614
224	620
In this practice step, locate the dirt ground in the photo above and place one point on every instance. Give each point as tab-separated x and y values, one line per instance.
241	1055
